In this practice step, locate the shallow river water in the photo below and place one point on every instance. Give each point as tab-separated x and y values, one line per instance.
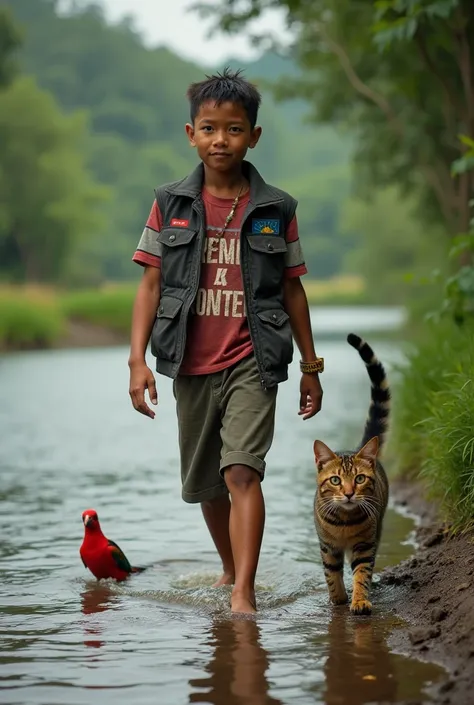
70	440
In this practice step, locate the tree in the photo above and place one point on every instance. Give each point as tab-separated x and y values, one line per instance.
392	250
321	197
48	202
135	99
10	39
399	74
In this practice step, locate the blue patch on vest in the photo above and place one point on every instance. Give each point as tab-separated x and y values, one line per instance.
265	227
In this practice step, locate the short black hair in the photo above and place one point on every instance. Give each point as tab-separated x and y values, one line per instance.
228	86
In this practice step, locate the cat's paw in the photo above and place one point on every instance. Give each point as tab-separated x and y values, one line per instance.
361	607
339	599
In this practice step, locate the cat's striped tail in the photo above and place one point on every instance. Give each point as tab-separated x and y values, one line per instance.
379	410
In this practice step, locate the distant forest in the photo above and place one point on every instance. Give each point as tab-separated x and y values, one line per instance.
94	120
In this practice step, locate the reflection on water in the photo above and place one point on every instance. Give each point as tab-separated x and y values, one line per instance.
70	440
358	662
236	673
96	599
360	666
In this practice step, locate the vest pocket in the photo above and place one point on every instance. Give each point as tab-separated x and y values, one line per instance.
164	336
275	337
177	255
175	237
268	244
267	263
276	317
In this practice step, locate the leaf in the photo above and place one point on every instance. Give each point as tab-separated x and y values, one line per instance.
461	244
468	141
462	165
442	8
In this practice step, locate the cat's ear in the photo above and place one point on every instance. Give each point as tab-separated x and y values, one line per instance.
322	453
369	451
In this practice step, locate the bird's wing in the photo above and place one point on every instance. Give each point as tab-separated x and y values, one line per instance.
119	557
82	559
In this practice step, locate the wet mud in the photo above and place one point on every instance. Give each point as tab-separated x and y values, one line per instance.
433	592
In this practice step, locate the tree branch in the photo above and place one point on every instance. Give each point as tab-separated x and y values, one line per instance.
359	85
430	65
445	194
446	203
465	68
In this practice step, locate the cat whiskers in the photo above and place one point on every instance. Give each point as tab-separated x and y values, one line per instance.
374	503
328	507
369	508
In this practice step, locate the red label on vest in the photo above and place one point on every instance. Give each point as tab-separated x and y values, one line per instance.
179	223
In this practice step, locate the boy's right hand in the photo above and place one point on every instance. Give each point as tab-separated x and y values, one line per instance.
141	378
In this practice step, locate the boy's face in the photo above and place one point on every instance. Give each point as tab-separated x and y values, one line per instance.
222	135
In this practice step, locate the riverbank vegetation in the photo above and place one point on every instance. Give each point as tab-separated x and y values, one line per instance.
399	76
38	316
433	430
99	148
29	318
368	121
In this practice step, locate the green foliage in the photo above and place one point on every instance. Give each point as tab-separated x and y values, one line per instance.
132	172
466	162
392	250
9	41
448	466
109	307
458	288
47	200
390	110
321	195
112	306
458	294
135	99
396	75
28	320
400	19
433	437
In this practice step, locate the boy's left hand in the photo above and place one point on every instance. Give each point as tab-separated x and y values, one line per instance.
311	396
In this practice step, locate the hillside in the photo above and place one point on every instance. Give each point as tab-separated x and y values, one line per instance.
134	100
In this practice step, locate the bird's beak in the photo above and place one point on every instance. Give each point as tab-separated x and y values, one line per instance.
87	520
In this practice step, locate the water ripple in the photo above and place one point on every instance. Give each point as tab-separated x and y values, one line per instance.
166	635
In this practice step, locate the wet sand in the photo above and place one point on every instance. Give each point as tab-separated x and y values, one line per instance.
434	593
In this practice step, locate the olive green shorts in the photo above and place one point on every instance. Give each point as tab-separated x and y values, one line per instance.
225	418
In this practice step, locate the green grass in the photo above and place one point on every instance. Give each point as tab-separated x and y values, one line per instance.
37	316
29	319
111	307
433	428
344	290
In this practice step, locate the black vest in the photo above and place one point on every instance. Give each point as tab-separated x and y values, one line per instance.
262	260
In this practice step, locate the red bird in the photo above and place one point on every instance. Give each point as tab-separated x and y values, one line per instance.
101	555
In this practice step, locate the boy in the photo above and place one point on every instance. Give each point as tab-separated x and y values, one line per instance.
221	297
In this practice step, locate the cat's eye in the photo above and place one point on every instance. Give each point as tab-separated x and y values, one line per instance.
335	480
360	479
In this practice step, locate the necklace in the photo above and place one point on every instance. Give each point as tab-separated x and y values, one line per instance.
231	212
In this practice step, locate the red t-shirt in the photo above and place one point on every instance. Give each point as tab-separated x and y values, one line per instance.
218	333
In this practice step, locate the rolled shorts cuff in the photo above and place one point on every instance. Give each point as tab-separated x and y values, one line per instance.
237	457
205	495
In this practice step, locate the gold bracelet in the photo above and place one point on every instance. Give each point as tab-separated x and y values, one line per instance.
312	367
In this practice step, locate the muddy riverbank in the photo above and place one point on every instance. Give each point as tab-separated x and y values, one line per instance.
433	592
166	636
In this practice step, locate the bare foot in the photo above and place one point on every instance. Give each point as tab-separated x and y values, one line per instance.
225	579
243	604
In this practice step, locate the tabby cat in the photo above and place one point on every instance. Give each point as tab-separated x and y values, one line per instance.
352	495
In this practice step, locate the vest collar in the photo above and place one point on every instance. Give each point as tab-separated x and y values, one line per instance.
260	192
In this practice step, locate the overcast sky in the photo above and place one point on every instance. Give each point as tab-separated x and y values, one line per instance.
169	22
